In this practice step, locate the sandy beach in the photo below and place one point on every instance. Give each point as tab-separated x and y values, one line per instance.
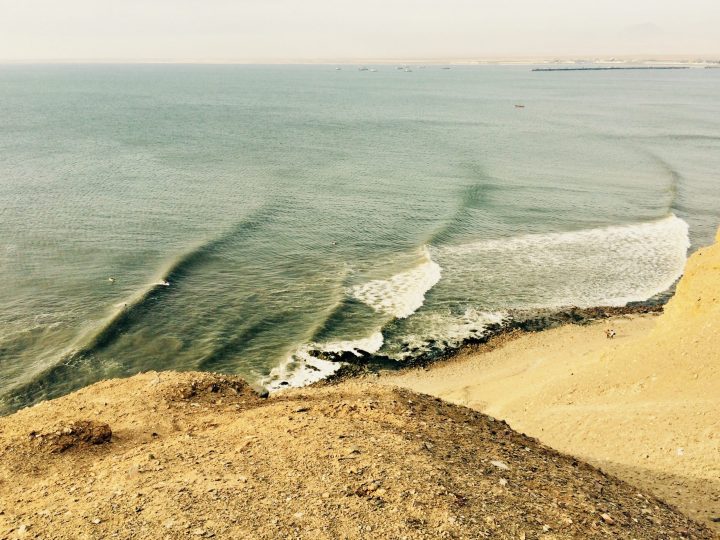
643	406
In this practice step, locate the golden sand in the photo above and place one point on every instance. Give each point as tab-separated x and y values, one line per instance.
644	406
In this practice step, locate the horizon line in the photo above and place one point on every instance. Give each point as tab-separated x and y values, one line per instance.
459	60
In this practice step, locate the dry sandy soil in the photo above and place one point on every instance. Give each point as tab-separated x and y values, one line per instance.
200	456
644	406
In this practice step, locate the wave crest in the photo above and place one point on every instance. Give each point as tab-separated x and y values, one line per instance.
402	294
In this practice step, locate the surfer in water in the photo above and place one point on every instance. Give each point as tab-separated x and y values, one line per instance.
165	283
111	279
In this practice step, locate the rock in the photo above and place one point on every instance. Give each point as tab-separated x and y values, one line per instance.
500	465
82	432
97	521
607	519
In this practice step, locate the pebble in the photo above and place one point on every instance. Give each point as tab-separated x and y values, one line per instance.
500	465
96	521
607	519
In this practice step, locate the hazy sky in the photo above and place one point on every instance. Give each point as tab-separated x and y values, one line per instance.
329	29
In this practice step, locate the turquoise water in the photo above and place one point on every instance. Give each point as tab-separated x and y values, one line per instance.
294	208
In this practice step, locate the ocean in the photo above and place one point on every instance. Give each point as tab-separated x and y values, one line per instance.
252	217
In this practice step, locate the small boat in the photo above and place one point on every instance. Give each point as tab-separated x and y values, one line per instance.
362	68
338	68
407	70
519	106
445	67
373	70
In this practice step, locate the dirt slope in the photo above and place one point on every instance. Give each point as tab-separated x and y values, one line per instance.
200	456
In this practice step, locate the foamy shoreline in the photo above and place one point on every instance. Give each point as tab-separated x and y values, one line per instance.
642	406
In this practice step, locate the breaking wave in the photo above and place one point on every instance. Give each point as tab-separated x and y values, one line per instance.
402	294
303	367
608	266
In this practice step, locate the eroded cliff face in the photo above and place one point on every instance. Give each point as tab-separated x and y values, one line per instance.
680	358
196	455
694	311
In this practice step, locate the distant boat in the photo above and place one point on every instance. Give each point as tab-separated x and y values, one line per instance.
407	70
519	106
373	70
338	68
362	68
445	67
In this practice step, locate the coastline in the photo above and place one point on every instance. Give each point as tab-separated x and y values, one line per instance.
642	406
418	453
361	364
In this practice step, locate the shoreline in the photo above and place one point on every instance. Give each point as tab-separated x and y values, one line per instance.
558	433
523	323
642	406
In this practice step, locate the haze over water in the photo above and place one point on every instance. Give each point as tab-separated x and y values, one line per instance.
294	208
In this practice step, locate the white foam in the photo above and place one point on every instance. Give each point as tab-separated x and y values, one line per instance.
402	294
302	368
605	266
444	329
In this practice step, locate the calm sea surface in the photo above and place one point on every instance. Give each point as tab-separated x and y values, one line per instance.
296	208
